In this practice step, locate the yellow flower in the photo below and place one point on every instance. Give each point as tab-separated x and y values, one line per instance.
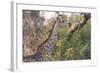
59	43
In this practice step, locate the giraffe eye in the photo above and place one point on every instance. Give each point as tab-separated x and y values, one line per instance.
62	21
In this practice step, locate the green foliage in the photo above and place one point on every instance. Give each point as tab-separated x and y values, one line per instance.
78	47
71	54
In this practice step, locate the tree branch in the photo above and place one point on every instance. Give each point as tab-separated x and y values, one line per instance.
79	25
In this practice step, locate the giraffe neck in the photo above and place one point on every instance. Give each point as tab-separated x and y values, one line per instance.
55	31
53	35
48	45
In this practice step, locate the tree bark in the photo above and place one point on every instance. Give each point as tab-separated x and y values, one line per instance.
79	25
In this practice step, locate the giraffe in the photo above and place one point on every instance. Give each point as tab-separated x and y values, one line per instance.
47	46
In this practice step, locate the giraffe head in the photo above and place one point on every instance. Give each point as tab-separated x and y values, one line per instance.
61	20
